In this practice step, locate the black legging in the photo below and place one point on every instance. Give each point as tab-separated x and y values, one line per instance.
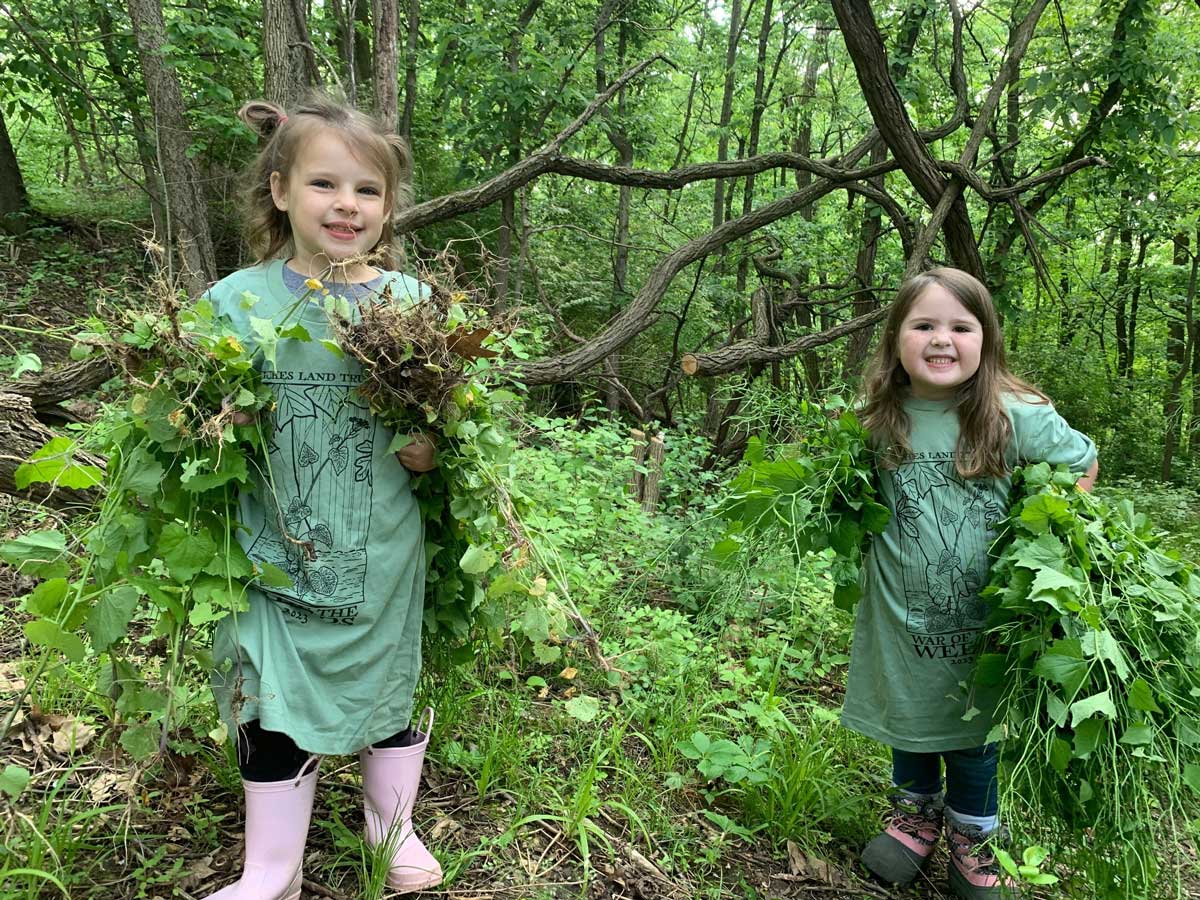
273	756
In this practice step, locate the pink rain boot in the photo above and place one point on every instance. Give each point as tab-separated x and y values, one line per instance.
277	818
391	777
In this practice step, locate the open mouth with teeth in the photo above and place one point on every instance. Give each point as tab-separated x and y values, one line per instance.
344	232
940	361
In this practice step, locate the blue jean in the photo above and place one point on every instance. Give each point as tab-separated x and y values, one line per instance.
970	777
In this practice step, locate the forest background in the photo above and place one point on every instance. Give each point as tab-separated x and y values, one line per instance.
698	212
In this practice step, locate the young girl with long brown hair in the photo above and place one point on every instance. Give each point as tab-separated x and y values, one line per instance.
950	422
328	663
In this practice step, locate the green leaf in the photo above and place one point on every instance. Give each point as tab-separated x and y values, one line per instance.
273	576
46	633
1087	737
267	338
1141	697
185	554
140	741
142	473
25	362
547	653
13	781
1097	703
47	598
1191	777
1054	588
477	560
109	619
333	347
535	621
1138	734
36	552
1068	671
1102	645
55	464
583	708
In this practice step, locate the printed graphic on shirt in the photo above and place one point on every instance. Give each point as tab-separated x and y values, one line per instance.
319	509
946	524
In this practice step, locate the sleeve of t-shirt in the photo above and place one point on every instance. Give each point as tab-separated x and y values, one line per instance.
1040	434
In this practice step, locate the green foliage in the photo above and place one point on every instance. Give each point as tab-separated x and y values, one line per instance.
818	494
161	553
1096	645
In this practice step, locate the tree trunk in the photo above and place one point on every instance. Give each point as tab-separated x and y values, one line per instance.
756	115
187	215
1124	257
133	105
1131	351
624	147
735	28
513	121
385	64
859	343
410	67
867	52
13	199
288	71
1179	332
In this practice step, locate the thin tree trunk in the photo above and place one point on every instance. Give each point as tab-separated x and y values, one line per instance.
1143	243
385	64
756	115
360	13
85	170
410	67
133	106
13	198
735	28
1124	258
624	147
1179	332
187	216
507	204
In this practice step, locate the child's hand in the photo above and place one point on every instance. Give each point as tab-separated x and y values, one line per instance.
419	455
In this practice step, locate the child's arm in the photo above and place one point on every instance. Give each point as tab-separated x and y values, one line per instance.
1088	479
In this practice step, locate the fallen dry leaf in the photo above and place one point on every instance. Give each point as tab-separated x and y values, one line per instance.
71	736
810	867
568	673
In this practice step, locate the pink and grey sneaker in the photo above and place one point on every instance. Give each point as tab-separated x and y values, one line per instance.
898	855
974	873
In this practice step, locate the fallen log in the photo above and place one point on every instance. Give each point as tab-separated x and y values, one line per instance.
22	435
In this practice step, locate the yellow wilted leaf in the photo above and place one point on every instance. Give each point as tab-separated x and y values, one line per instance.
568	673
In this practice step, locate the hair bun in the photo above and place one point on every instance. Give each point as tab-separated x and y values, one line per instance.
263	117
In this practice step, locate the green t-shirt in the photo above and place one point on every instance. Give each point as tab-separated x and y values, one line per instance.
918	624
332	661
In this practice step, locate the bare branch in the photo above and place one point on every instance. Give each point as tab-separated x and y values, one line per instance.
522	173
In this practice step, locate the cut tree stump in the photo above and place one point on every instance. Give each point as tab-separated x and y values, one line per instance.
654	469
636	477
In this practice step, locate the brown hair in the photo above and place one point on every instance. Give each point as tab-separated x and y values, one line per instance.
281	135
984	426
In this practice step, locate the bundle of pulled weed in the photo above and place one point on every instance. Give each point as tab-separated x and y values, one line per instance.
158	557
1095	647
414	356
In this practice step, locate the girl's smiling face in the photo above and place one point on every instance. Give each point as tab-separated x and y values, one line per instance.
335	204
939	344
